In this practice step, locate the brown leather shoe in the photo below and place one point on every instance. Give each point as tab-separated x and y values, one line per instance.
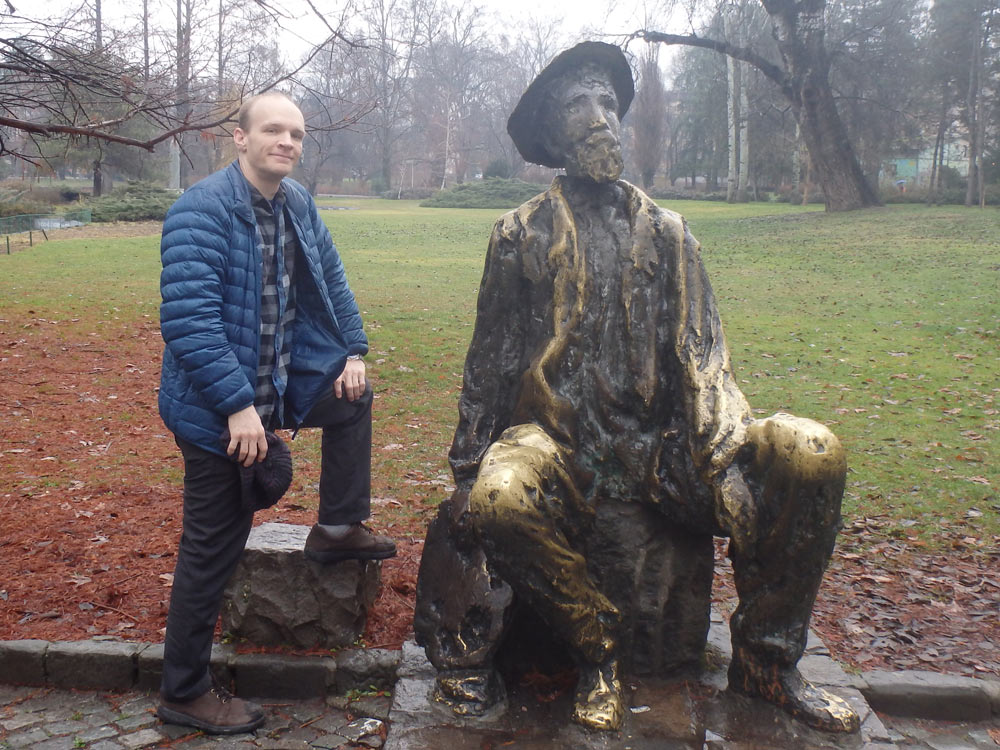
215	712
360	543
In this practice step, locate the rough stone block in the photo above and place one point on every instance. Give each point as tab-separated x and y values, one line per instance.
23	662
364	668
928	695
94	665
221	662
413	662
277	597
992	688
149	662
824	671
662	587
278	676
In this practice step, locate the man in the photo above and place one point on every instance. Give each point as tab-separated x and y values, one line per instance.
598	372
261	332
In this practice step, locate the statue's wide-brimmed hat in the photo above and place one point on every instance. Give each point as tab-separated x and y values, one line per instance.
525	125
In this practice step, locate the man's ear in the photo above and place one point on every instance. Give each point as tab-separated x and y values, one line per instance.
239	138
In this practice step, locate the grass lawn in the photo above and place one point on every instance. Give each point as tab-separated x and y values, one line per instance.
883	324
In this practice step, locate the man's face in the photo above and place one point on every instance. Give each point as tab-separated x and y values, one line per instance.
272	144
582	124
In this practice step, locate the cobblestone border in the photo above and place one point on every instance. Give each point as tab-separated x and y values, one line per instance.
117	665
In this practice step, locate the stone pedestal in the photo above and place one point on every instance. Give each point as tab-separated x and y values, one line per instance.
692	710
278	597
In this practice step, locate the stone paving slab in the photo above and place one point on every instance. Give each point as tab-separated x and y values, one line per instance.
698	713
52	719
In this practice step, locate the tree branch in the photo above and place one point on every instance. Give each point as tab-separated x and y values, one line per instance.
765	66
50	130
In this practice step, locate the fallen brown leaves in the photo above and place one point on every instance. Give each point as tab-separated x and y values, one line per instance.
90	500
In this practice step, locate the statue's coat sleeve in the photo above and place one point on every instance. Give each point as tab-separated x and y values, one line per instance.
496	357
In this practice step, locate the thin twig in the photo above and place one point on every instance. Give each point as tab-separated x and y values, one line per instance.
112	609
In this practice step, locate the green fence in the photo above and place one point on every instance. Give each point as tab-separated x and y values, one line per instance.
43	222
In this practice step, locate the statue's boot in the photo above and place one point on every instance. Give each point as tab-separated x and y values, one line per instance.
599	704
469	692
787	689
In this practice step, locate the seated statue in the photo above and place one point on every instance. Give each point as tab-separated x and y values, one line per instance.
598	378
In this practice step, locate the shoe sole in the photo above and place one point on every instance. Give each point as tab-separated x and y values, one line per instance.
333	556
169	716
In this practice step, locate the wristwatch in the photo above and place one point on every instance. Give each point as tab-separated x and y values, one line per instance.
354	356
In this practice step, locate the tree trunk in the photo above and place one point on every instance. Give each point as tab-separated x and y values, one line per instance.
804	79
732	112
386	171
943	123
797	161
743	171
98	189
145	41
184	8
972	103
98	24
799	31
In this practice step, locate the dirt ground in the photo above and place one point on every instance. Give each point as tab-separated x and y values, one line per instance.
90	508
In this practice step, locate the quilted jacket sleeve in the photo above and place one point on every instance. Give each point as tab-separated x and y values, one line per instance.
345	307
201	331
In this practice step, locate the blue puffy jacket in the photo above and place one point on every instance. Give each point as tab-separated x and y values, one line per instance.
210	316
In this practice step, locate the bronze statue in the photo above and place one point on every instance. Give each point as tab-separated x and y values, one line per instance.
599	421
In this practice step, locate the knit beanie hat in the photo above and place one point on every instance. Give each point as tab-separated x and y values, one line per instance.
264	483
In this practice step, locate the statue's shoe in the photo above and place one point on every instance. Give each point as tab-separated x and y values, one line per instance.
470	692
599	704
787	689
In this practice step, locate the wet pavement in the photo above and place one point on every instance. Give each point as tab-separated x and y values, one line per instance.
51	719
695	712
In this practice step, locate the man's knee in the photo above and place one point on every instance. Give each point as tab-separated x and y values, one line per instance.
798	447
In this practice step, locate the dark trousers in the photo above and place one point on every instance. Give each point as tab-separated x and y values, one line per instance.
215	531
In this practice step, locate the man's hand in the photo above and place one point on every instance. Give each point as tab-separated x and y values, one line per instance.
246	435
351	382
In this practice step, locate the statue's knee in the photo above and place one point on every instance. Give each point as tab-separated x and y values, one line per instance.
799	446
493	487
504	498
528	442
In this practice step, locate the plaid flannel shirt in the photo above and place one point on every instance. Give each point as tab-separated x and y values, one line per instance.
277	305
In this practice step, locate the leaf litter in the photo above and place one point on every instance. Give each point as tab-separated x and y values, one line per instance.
90	536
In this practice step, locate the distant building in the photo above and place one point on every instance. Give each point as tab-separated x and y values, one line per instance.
916	170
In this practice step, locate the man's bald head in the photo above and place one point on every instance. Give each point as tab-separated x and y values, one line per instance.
244	118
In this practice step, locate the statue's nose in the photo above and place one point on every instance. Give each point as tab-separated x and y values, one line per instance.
598	120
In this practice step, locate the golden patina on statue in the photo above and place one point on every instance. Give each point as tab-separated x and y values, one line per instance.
603	440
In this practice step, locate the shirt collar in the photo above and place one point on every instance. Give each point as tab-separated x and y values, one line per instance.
257	199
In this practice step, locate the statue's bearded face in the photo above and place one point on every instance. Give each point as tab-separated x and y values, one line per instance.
581	124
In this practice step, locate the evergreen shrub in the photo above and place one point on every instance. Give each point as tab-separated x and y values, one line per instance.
493	192
137	201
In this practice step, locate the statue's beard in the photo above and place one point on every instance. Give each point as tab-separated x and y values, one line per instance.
599	158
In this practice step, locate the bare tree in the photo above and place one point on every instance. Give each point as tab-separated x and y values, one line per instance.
55	86
389	37
649	117
450	82
804	79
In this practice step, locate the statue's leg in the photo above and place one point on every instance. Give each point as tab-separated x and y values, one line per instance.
523	505
461	613
797	481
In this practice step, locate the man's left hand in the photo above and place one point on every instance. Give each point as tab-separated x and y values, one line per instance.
351	382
